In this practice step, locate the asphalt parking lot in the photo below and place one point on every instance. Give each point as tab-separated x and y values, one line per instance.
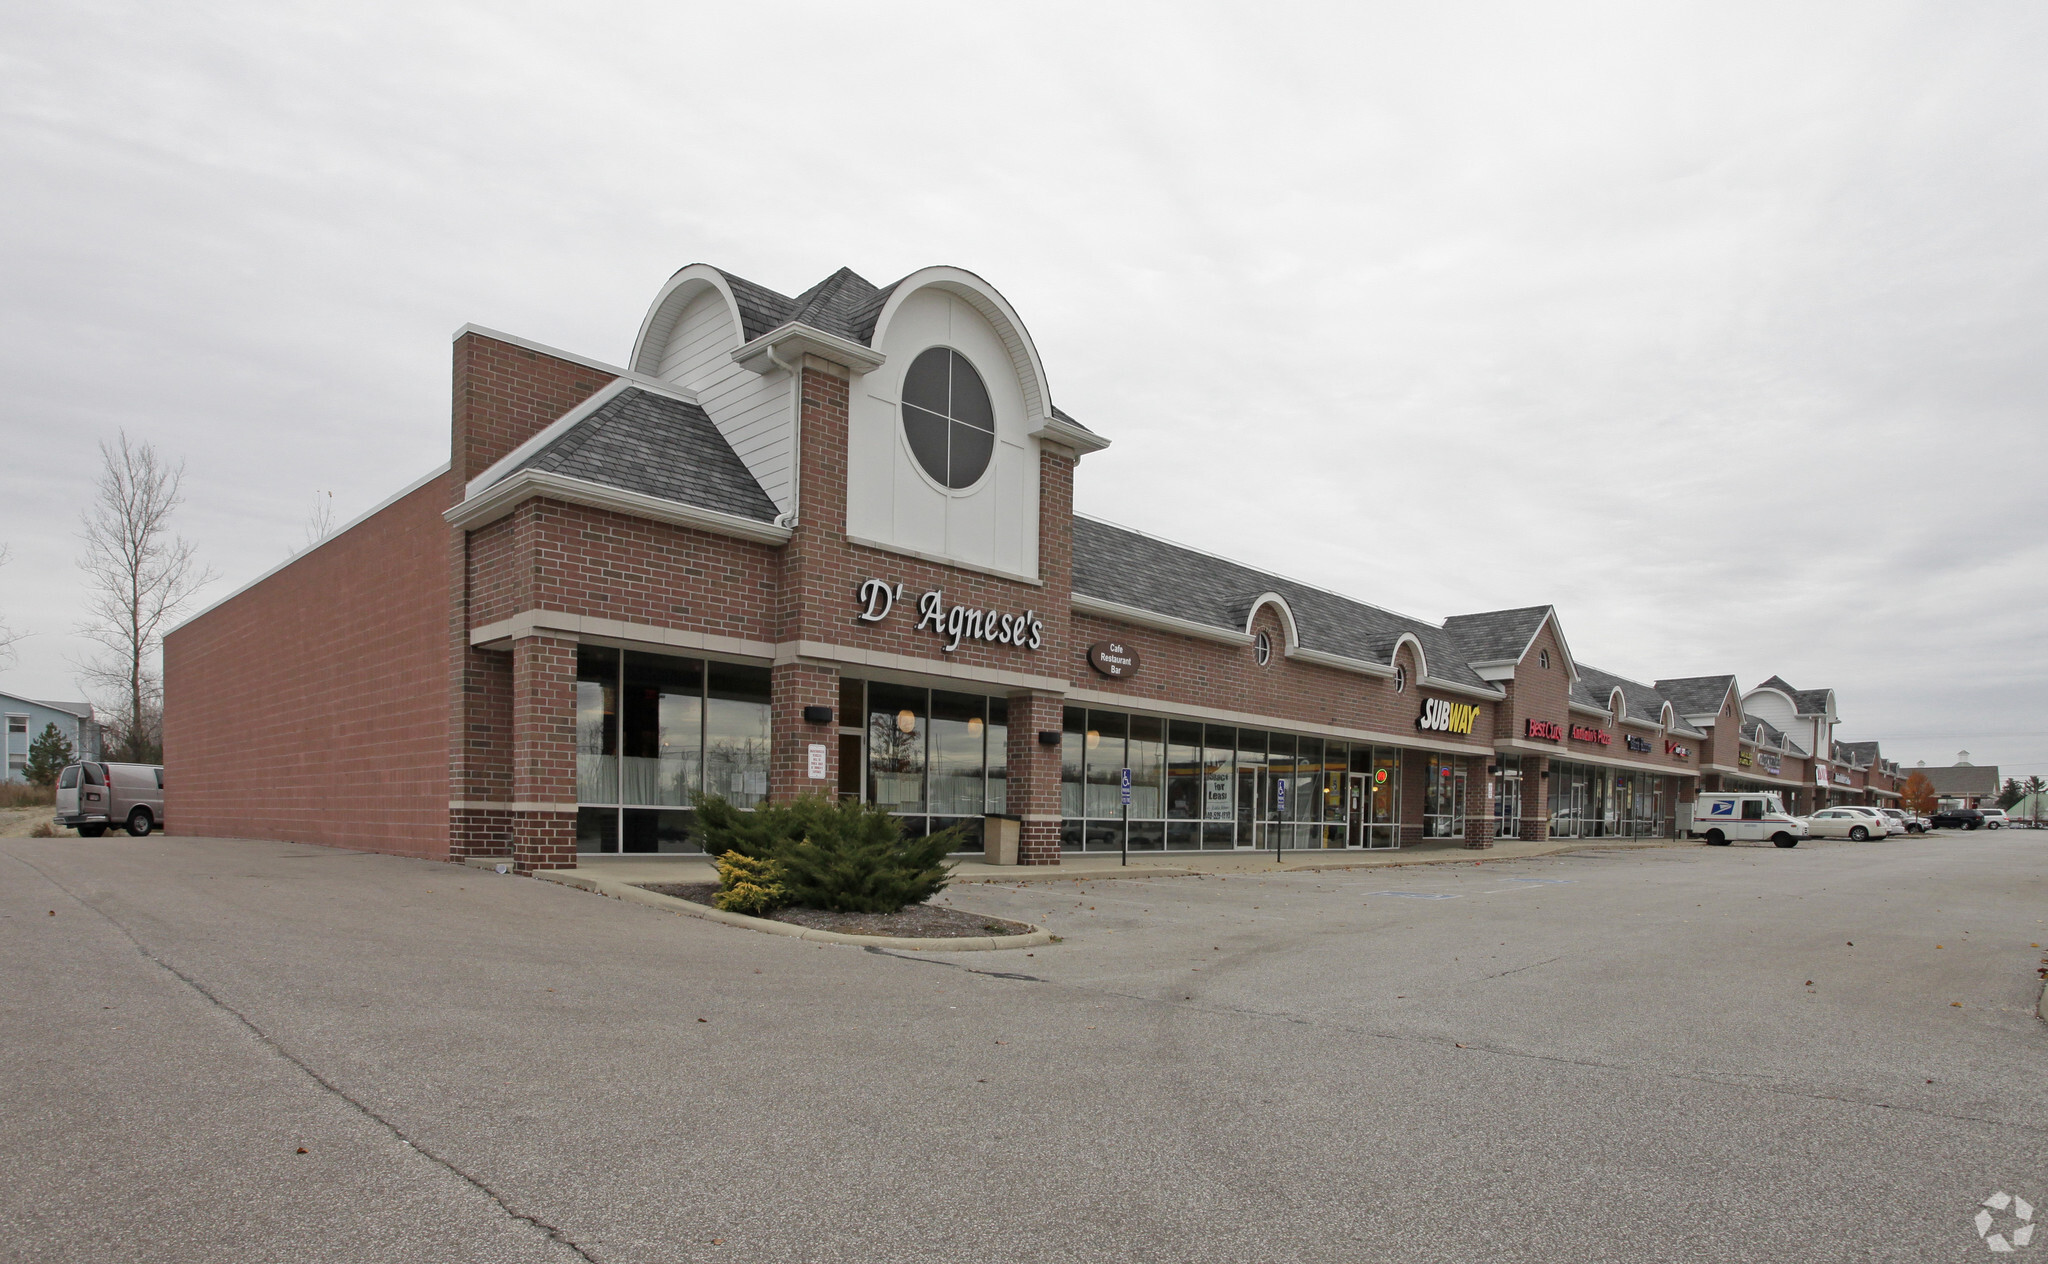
1826	1053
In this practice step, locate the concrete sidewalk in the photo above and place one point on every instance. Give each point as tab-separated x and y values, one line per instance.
1096	866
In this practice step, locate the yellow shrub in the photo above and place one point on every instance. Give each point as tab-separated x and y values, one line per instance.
746	885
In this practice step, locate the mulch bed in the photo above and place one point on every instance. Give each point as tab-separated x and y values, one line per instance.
919	921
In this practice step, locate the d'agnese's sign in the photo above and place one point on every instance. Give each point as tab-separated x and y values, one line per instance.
956	623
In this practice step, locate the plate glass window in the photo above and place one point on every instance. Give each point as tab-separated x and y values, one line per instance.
947	418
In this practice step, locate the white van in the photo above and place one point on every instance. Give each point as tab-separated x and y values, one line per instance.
92	797
1724	817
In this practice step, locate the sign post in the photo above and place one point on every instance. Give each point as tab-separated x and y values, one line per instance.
1125	792
1279	812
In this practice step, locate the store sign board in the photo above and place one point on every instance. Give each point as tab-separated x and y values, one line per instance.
1841	779
1820	775
1673	748
1746	759
1640	745
1770	762
1587	733
1113	659
956	623
1442	716
1545	730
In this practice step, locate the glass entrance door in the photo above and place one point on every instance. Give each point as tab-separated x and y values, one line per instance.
1356	811
1254	808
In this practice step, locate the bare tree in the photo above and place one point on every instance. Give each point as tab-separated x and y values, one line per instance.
139	576
8	636
319	523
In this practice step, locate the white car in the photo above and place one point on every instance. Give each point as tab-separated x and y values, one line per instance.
1994	818
1858	824
1904	822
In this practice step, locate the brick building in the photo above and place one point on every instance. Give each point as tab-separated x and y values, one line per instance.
826	543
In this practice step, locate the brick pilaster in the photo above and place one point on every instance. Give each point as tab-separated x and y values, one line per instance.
1479	795
1034	777
1535	798
543	753
792	687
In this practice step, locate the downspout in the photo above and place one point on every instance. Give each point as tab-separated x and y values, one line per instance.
796	431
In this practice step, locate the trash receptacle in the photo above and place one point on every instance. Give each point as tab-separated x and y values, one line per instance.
999	834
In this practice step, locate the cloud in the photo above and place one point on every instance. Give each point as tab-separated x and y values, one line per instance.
1720	327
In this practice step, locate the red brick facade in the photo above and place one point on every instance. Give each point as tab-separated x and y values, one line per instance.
310	706
332	675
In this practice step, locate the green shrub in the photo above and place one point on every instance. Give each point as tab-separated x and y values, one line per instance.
747	885
845	857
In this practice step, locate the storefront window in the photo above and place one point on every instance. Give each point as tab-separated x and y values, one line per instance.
736	734
1106	754
597	732
959	735
663	731
1148	768
1184	771
1443	799
1507	797
896	747
652	733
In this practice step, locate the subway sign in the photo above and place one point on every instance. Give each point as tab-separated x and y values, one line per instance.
1440	716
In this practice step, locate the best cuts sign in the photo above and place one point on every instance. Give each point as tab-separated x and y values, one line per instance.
955	623
1545	730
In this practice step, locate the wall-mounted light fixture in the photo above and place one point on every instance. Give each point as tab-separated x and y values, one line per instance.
1048	737
817	715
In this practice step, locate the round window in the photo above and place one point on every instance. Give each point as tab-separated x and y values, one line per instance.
1400	679
1262	648
947	417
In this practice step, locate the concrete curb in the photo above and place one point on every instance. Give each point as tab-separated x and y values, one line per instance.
1058	873
640	895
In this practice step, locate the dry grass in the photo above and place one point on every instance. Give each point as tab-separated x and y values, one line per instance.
19	794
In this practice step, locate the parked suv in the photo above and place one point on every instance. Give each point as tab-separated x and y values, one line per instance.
90	797
1957	818
1904	822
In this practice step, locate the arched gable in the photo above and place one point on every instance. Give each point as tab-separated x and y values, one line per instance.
685	287
995	309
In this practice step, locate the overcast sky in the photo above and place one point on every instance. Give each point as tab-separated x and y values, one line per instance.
1721	328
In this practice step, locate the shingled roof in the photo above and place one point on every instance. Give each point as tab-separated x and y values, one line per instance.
1643	702
656	445
1963	780
1496	636
1697	695
1856	754
1116	564
1804	701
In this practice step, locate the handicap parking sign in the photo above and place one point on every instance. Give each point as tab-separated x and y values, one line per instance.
1127	787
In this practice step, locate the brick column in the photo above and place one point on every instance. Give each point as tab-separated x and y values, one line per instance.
1535	798
791	688
1479	793
543	753
1034	777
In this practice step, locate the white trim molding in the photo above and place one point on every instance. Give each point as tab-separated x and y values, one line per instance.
1076	439
1323	658
582	627
1101	609
786	345
529	344
505	496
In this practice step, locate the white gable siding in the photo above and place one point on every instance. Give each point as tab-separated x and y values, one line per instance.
752	412
889	498
1775	710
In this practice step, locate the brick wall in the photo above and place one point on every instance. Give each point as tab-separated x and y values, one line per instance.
309	707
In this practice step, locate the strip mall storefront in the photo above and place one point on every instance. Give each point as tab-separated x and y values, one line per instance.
825	544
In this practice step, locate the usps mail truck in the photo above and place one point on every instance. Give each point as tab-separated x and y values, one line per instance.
1724	817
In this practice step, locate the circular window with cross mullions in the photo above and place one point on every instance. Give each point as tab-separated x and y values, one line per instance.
1262	648
947	418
